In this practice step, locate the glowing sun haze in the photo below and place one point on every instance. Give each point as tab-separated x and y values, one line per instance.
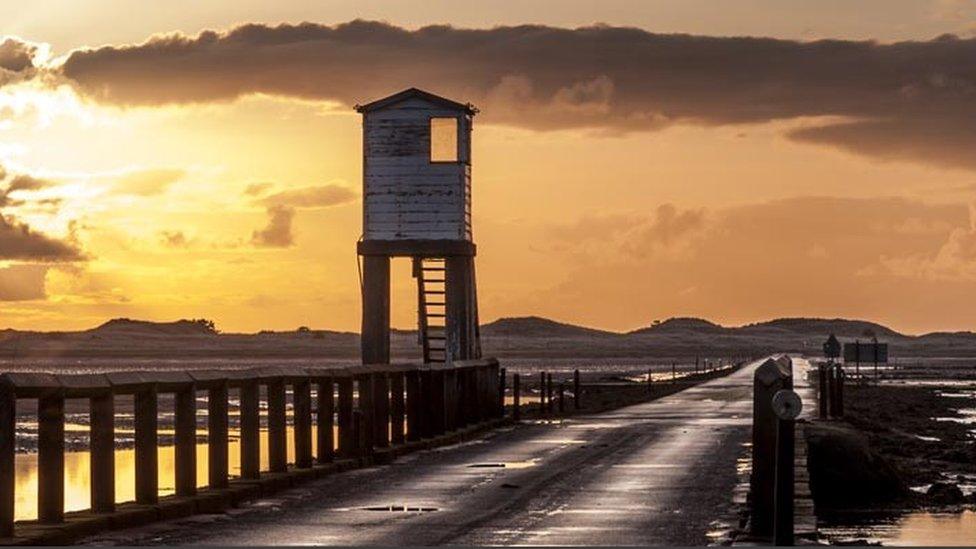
633	160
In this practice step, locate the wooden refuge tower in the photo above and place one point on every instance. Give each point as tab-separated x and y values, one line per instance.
417	204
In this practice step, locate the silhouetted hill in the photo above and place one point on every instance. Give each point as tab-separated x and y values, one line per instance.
534	326
181	327
682	324
840	327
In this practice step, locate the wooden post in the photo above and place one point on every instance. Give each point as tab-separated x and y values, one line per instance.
250	430
277	430
840	391
562	397
415	425
427	403
302	410
8	447
437	402
650	385
784	477
770	377
186	441
50	458
325	420
376	310
822	400
516	397
674	374
381	410
576	389
146	456
217	443
397	408
347	435
364	382
102	462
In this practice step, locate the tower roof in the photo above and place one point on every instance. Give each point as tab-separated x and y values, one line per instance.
411	93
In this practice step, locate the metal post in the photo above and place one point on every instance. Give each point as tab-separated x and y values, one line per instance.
217	443
50	458
516	397
185	421
549	393
250	430
502	381
147	460
102	464
543	407
325	414
302	410
576	389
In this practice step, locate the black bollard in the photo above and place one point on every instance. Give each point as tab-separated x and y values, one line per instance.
783	497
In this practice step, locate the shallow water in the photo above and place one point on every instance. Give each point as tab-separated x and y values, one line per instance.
76	472
913	529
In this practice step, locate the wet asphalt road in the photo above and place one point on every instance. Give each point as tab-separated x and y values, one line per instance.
656	473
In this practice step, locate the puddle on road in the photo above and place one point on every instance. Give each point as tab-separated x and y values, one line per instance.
558	441
391	509
505	464
646	466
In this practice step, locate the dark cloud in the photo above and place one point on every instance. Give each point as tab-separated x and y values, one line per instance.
593	77
277	233
257	189
319	196
18	241
24	182
23	282
16	56
174	239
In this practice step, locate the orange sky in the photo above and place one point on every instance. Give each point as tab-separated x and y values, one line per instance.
224	181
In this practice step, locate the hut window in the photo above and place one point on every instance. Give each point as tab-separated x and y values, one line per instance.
443	140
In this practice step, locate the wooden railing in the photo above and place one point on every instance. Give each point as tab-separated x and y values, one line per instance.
397	405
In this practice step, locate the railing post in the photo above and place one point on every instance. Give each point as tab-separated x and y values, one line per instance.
364	381
348	445
50	457
516	397
146	456
325	420
102	461
381	410
438	406
397	407
277	426
427	402
650	385
185	452
562	397
217	427
302	410
674	374
8	431
415	425
250	429
576	389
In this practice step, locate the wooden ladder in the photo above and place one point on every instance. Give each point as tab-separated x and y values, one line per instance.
431	274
